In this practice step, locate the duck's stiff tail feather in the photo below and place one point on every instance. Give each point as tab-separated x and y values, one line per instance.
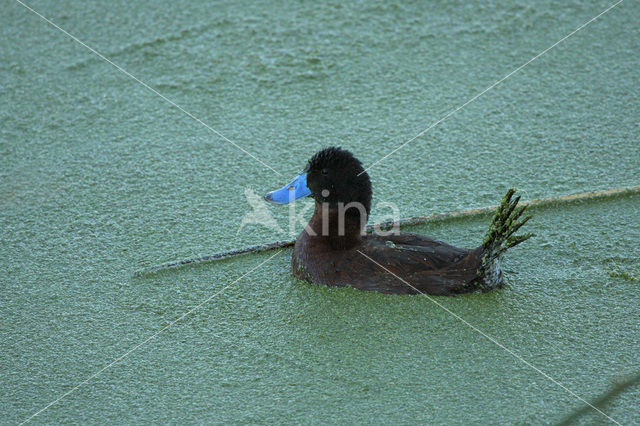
501	237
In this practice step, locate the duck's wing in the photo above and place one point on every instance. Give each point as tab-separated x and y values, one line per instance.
428	265
425	252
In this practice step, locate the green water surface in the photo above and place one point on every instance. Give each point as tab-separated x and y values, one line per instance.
100	177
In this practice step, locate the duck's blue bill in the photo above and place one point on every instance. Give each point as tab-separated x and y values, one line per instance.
292	191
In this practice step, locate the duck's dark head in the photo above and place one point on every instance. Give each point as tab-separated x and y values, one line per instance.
335	176
332	177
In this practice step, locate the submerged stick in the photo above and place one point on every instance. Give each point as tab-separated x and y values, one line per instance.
198	260
416	220
603	400
540	202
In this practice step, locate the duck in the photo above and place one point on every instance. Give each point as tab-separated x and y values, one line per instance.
335	250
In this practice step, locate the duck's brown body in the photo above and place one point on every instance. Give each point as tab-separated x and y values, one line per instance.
430	266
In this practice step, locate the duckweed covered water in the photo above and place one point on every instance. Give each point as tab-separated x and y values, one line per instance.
101	177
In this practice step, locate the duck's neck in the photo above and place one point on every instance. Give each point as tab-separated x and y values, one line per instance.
337	227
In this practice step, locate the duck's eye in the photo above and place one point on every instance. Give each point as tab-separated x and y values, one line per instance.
324	172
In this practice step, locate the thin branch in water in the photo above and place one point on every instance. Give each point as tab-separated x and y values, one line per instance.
416	220
603	400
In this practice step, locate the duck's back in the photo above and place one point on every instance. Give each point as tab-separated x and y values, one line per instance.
427	265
